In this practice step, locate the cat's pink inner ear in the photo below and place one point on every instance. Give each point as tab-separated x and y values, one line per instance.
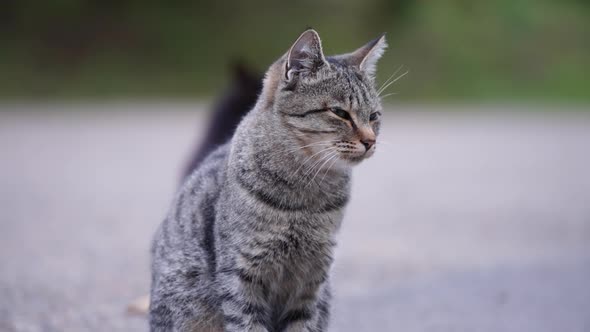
366	57
305	54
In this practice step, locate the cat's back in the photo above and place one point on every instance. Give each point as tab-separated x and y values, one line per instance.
184	251
211	171
185	238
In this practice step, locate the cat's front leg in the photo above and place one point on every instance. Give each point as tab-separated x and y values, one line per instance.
313	314
242	305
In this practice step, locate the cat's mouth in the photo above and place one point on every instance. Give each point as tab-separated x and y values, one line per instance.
343	153
354	153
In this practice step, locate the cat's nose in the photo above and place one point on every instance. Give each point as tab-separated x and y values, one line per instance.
368	143
367	137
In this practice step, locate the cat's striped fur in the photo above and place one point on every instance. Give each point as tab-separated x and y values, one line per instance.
248	243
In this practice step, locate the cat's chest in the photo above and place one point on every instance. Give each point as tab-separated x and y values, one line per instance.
304	241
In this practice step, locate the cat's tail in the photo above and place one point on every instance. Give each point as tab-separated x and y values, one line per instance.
139	306
228	110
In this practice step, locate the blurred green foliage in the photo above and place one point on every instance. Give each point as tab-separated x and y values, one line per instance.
455	49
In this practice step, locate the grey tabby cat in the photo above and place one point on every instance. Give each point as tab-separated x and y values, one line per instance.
248	243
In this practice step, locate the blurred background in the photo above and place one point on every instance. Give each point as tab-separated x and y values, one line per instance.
473	215
456	50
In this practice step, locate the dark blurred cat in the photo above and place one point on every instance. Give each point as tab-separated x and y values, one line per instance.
228	110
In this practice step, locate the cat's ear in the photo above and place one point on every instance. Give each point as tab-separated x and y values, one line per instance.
305	56
366	57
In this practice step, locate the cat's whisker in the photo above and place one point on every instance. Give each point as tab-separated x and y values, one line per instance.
309	158
321	167
390	83
317	162
334	160
335	154
314	166
388	79
387	95
315	154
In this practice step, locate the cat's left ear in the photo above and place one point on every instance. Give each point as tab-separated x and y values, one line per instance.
305	56
366	57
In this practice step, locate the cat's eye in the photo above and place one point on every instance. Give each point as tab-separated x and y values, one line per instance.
374	116
340	112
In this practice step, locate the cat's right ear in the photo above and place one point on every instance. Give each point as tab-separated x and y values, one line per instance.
305	56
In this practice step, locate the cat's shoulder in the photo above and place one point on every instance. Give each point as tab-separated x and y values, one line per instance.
212	167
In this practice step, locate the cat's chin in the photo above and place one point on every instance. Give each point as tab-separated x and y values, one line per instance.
357	159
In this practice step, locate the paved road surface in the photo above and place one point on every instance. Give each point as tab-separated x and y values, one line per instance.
461	222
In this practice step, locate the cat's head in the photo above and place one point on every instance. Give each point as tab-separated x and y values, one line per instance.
329	104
